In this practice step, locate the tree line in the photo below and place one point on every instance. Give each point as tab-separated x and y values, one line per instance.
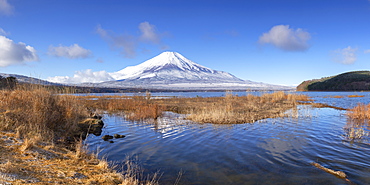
8	82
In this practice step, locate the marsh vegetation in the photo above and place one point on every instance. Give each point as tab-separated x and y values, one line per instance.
41	129
40	138
219	110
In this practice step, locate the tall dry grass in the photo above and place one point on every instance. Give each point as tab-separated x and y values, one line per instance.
355	128
133	175
226	110
136	107
361	111
40	116
39	113
234	109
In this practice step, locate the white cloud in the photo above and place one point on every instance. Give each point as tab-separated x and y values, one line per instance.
285	38
128	43
368	50
345	56
6	8
148	33
12	53
83	77
74	51
3	32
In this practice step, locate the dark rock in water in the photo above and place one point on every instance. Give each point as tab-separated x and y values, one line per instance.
96	130
111	141
119	136
91	126
107	137
95	116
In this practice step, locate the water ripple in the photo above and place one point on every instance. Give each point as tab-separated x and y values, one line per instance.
273	151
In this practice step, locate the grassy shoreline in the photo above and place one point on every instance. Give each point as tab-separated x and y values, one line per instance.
41	131
40	141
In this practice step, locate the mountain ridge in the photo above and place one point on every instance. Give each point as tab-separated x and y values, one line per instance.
171	70
165	72
170	64
31	80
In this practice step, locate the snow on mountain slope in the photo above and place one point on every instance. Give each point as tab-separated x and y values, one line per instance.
171	66
172	71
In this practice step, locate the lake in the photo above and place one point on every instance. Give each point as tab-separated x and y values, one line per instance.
270	151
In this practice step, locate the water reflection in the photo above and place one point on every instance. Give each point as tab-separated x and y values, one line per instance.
272	151
357	130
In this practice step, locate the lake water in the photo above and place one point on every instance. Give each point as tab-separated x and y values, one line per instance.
270	151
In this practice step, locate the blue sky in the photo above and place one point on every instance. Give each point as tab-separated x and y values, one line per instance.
271	41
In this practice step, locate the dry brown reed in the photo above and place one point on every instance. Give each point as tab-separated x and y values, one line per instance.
221	110
29	143
8	167
81	151
337	96
233	109
39	116
132	175
136	107
39	113
349	96
355	96
361	111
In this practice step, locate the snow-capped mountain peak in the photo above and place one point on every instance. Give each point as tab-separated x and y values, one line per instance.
165	61
171	70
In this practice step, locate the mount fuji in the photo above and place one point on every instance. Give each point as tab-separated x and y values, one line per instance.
172	71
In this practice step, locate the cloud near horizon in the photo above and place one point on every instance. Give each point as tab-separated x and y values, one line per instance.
345	56
12	53
6	8
72	52
82	77
128	44
285	38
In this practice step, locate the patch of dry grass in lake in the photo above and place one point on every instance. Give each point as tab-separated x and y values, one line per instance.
233	109
360	112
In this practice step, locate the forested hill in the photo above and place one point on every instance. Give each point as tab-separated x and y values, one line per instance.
350	81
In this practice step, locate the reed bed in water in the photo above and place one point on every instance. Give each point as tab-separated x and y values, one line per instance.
233	109
355	96
348	96
361	111
136	107
220	110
